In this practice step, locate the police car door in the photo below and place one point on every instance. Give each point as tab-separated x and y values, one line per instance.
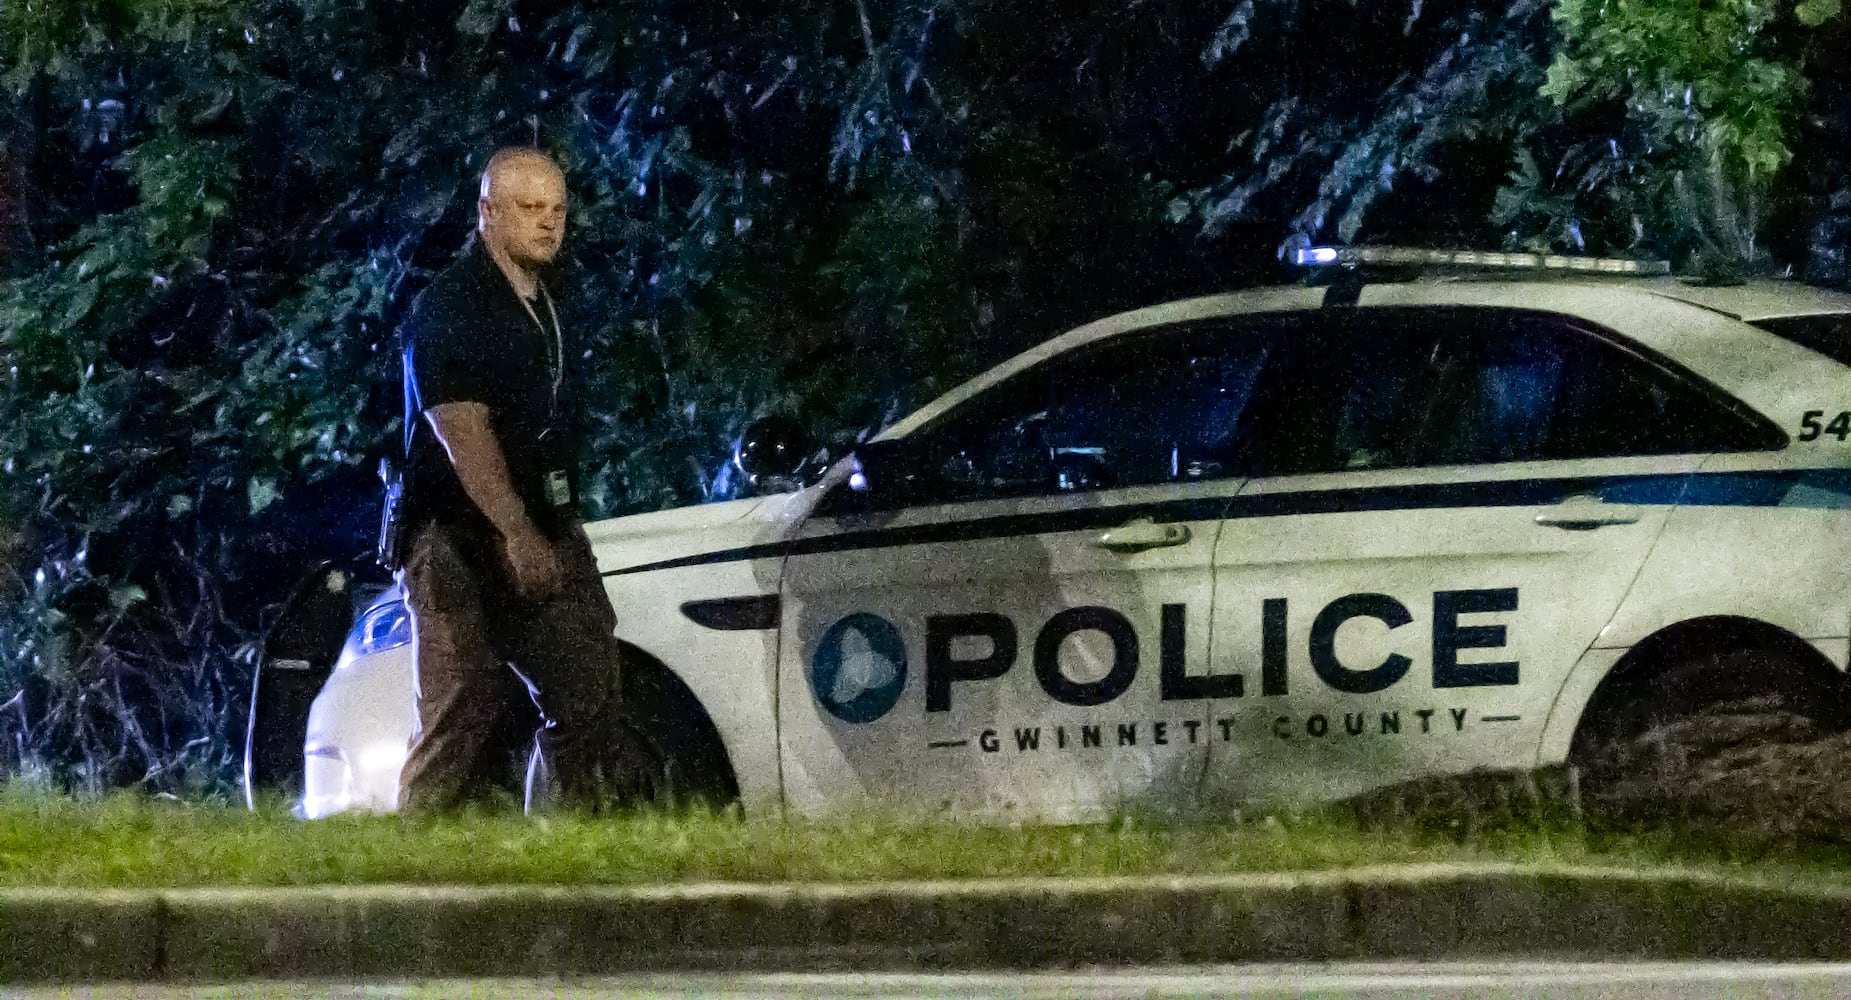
1447	508
1020	628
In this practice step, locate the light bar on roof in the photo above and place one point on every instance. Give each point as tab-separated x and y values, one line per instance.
1482	259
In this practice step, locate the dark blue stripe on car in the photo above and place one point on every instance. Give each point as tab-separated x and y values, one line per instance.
1814	488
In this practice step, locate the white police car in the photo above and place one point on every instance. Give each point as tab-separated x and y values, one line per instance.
1282	544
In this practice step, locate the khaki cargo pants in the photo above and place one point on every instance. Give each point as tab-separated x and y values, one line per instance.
468	626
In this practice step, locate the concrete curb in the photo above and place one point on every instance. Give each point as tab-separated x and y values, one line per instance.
1378	913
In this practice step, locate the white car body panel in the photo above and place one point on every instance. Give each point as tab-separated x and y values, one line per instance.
1751	300
1584	598
1801	590
970	755
1313	742
359	728
732	674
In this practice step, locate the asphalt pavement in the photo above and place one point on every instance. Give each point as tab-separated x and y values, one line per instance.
1571	981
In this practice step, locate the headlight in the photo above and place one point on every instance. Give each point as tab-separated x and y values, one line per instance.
387	626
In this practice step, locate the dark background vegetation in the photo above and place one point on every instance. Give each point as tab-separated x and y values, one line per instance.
214	212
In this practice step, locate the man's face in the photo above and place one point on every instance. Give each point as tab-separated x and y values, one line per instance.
524	212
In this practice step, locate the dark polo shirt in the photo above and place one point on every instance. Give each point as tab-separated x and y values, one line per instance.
469	340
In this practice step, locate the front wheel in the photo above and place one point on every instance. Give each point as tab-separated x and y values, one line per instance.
639	772
664	753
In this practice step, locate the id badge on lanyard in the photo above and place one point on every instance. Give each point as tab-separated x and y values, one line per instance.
555	483
558	488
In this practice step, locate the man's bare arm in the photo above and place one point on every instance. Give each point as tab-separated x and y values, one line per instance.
482	468
467	436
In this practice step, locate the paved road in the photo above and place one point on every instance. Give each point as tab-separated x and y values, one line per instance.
1375	982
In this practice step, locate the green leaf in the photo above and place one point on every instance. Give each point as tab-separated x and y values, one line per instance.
1813	13
123	596
83	299
260	492
482	16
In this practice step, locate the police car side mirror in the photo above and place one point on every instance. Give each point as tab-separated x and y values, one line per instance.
772	449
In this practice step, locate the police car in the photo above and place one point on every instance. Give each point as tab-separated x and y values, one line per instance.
1282	545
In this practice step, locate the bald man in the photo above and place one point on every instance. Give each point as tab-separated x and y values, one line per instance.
497	569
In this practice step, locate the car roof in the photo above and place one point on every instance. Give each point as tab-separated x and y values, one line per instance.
1707	334
1752	301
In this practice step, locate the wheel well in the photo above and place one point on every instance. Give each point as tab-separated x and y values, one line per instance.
1802	668
664	704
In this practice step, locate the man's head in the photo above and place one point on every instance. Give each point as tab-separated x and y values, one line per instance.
522	209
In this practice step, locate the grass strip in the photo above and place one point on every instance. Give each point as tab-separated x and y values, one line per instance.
128	841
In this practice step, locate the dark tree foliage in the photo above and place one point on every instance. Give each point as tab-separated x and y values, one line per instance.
214	212
1669	124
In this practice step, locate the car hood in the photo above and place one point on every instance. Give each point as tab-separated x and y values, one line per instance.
666	535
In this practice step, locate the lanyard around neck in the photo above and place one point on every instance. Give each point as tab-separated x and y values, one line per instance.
555	357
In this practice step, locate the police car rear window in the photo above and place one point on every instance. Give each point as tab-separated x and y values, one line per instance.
1829	334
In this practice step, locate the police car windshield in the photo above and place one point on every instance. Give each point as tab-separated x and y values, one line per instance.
1827	333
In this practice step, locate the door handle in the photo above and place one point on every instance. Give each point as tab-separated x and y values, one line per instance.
1585	513
1139	535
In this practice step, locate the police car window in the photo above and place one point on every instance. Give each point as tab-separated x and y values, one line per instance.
1497	401
1395	388
1350	395
1525	388
1138	411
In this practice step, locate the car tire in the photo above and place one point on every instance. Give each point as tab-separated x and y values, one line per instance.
1738	694
659	758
